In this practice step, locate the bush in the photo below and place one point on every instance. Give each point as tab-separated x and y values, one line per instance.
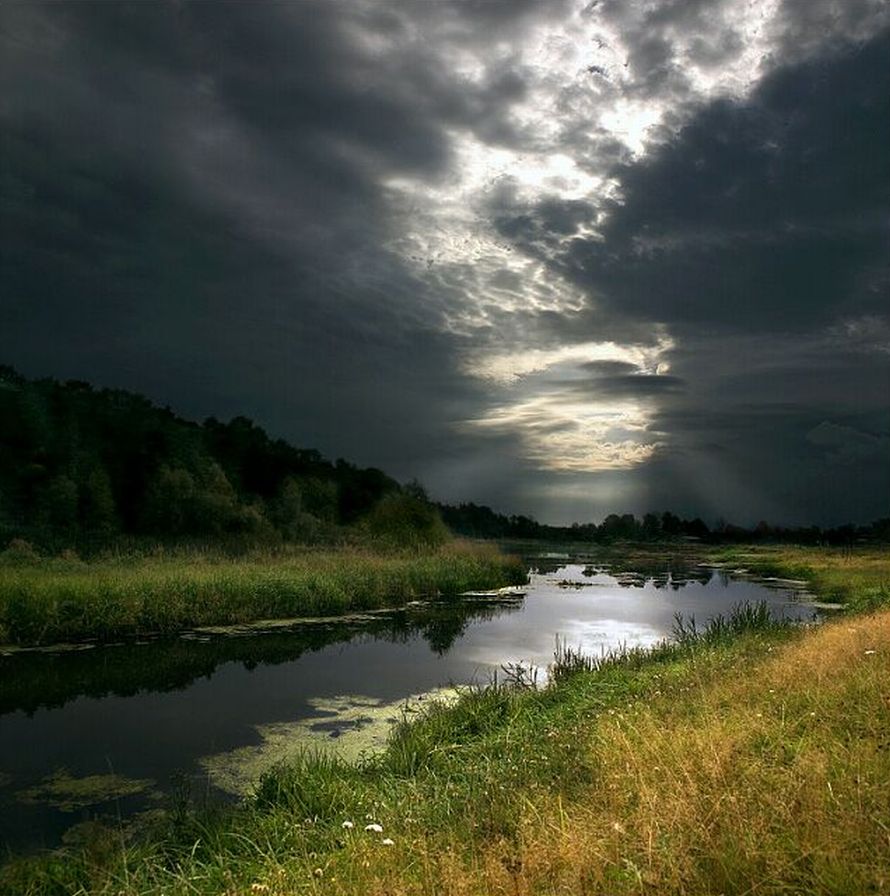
404	520
20	551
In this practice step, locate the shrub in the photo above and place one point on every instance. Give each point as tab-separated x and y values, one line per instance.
404	520
20	551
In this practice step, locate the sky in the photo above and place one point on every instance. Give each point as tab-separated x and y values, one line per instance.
564	258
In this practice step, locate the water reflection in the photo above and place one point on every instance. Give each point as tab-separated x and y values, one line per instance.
43	679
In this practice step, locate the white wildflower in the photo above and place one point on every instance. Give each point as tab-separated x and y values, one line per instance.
374	828
388	841
347	825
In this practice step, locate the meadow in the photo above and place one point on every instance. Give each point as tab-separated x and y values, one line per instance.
748	756
46	600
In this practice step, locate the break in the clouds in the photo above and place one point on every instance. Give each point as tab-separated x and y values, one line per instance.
565	258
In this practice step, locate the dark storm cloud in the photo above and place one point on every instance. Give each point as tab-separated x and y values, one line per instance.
633	385
192	207
206	202
664	40
619	379
846	445
764	424
803	24
758	235
541	228
765	214
771	462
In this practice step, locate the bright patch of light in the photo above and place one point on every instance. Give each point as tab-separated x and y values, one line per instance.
557	428
510	366
630	122
560	434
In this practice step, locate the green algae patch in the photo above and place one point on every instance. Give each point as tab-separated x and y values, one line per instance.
349	726
63	791
267	626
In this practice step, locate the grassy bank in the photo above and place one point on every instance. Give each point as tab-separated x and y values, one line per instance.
50	600
747	758
859	577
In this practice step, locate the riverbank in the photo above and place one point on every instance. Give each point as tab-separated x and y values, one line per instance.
747	757
50	600
858	578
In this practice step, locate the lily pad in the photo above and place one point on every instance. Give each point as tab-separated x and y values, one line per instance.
67	793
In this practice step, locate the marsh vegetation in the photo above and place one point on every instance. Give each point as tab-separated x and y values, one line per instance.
46	600
701	765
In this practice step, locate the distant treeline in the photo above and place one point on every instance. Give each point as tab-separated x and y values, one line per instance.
88	467
84	465
476	521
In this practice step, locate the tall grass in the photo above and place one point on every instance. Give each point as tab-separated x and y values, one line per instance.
742	619
51	600
462	774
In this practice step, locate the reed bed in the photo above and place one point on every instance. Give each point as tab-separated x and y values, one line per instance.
52	600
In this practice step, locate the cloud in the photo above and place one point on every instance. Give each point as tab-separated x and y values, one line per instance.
562	434
759	215
846	445
525	251
756	237
633	384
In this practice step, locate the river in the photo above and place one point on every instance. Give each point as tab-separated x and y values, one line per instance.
110	732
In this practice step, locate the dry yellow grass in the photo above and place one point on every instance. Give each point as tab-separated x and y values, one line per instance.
776	780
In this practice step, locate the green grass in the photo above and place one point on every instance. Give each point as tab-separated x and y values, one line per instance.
859	577
746	757
52	600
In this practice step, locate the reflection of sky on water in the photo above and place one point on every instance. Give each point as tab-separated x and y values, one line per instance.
599	615
222	693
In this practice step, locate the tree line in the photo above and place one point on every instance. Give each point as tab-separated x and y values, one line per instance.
79	464
85	467
479	521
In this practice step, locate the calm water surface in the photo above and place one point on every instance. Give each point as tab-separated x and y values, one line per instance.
158	712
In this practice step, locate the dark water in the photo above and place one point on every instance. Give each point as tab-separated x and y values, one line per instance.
152	711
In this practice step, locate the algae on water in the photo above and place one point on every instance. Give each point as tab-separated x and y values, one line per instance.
67	793
349	725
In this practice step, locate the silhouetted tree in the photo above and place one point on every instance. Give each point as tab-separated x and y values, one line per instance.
651	528
58	504
671	524
168	503
97	507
